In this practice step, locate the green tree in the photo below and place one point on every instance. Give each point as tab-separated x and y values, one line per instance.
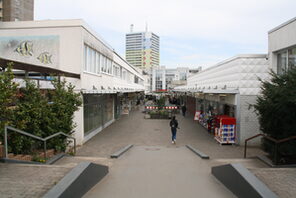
8	93
64	103
31	114
161	102
276	108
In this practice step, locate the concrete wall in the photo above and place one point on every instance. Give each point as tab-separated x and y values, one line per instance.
249	124
280	38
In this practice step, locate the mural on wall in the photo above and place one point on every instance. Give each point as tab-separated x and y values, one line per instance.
45	58
37	50
25	48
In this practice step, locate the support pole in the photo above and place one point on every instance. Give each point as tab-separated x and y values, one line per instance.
245	152
5	142
45	150
275	154
74	146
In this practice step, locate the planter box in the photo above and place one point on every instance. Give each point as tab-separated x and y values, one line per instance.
17	157
20	157
27	158
147	116
49	154
158	116
10	155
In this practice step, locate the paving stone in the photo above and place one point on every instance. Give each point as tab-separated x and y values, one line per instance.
282	181
19	180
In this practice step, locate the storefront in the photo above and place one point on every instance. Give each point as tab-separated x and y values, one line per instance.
223	94
98	111
190	104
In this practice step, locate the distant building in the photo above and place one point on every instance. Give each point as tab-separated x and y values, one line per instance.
142	49
16	10
166	79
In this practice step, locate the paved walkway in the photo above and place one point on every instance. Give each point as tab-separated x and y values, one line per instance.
134	129
153	171
155	167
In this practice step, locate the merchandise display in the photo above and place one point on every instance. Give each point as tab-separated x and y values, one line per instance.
225	132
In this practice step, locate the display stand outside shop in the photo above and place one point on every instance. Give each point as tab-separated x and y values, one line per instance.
225	131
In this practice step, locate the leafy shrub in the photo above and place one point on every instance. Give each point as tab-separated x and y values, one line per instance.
34	113
8	97
276	108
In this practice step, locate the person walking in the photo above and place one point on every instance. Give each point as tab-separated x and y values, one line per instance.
174	126
184	110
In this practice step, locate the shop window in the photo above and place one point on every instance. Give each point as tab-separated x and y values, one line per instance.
93	114
292	58
98	62
102	62
281	62
286	60
85	58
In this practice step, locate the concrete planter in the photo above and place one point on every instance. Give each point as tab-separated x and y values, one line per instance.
147	116
159	116
49	154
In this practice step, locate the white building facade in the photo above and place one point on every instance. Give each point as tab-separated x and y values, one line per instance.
229	88
107	82
282	46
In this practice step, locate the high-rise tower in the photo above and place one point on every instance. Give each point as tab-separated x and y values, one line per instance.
142	49
16	10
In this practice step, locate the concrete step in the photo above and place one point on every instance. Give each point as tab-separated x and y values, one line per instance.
248	162
241	181
26	180
78	181
74	160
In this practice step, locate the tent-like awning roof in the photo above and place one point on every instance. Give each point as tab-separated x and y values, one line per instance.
37	68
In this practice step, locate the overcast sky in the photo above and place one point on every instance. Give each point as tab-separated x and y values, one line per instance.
192	32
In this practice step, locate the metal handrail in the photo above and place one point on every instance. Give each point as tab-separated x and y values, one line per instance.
271	139
6	128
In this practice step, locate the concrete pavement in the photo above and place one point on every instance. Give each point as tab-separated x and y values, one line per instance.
134	129
155	167
158	171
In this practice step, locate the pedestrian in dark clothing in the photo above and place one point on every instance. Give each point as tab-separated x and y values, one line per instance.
174	126
184	110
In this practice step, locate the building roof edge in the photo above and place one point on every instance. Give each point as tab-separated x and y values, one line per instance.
282	25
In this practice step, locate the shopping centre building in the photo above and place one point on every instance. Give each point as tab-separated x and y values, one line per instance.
282	46
231	87
70	48
227	88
